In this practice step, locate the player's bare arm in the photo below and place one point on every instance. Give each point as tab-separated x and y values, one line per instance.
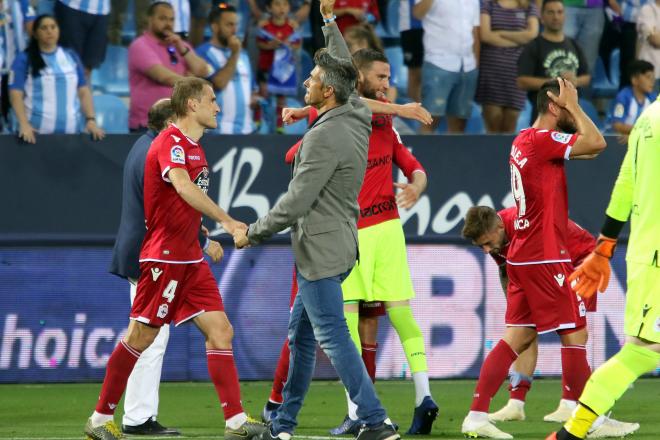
411	110
504	278
196	198
590	140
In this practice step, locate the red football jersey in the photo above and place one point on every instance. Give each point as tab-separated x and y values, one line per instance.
281	32
347	20
172	224
376	198
538	184
580	242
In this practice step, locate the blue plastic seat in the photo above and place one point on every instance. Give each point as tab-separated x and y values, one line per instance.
112	76
475	124
600	83
525	115
111	114
615	69
392	25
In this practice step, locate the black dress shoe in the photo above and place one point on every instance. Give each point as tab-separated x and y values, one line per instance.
150	427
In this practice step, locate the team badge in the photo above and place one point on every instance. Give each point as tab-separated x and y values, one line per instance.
177	155
562	138
162	311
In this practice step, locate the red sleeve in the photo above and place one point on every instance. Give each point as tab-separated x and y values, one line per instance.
580	242
170	155
403	158
292	152
554	145
313	114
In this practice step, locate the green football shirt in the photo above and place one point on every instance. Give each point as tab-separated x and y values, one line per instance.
636	193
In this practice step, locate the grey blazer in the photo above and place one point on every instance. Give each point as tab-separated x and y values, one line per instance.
320	204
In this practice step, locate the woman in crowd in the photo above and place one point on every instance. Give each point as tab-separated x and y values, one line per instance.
506	26
47	87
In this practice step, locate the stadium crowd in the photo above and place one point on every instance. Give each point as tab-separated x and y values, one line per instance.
257	53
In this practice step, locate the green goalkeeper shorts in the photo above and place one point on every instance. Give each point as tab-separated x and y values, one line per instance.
382	273
643	302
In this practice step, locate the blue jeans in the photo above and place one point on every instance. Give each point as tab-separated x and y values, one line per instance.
585	26
318	315
446	93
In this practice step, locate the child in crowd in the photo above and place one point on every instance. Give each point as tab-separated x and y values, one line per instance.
632	100
278	40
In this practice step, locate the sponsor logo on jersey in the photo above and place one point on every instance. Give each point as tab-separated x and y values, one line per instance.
562	138
378	208
177	155
156	272
560	279
379	161
191	157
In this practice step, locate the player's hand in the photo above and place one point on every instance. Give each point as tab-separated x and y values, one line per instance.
567	94
408	196
205	231
622	139
594	272
233	227
327	7
291	115
570	76
414	110
215	251
241	240
234	44
27	133
97	132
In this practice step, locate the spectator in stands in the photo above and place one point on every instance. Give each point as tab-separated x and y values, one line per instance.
412	45
585	20
118	16
299	9
156	60
632	100
84	28
352	12
451	52
506	27
551	55
648	29
231	73
629	11
278	42
47	87
15	30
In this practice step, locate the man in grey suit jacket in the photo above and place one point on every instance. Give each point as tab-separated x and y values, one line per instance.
321	208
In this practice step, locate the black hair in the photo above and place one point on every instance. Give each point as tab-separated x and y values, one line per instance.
639	67
152	7
542	99
364	58
545	2
36	62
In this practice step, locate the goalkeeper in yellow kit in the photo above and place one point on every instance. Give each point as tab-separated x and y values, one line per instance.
635	195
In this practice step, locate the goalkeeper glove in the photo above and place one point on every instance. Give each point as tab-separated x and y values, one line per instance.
594	272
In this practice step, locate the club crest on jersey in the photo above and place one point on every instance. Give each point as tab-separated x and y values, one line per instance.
177	155
562	138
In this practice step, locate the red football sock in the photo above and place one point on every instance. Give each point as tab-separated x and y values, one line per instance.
493	373
520	391
575	371
120	365
281	373
224	376
369	359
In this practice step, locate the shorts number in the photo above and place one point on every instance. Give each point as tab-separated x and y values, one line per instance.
517	190
168	293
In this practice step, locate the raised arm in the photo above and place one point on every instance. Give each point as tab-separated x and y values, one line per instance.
334	40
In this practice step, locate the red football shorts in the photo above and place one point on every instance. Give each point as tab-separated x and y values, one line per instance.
372	309
539	295
174	292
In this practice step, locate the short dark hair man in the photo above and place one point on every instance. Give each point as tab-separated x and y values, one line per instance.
550	55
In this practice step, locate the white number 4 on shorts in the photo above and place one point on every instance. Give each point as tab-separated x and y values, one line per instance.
168	293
